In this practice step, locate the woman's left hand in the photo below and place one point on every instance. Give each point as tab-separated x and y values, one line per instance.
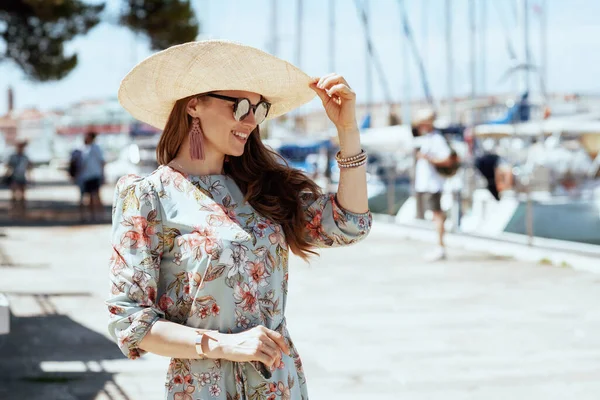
338	99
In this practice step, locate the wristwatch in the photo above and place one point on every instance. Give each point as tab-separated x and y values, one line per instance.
199	342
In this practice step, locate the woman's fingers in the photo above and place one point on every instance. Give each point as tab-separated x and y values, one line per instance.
332	87
320	92
320	82
279	340
341	90
330	81
268	348
266	358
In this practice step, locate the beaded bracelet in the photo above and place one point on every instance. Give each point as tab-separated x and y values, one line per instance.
339	159
353	164
353	161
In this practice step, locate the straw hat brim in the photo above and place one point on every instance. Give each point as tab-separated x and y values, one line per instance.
150	90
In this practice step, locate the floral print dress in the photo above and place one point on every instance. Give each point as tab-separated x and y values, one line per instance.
190	250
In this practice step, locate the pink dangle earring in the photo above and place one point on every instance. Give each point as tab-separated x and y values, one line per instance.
196	140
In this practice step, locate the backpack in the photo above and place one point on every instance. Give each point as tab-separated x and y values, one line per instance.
75	164
450	171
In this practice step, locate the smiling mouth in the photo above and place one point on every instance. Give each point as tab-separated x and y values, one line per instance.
240	135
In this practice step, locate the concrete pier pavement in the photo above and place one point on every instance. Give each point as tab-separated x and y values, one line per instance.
372	321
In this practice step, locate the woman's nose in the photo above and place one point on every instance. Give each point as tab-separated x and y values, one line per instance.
250	119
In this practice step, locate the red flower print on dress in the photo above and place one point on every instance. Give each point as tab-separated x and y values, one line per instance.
178	379
194	242
245	297
165	302
277	237
212	245
258	273
151	291
314	225
204	305
116	310
203	312
142	229
259	228
338	214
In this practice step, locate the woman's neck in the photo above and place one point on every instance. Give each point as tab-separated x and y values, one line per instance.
198	167
211	165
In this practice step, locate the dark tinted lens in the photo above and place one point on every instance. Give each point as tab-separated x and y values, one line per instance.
243	107
262	109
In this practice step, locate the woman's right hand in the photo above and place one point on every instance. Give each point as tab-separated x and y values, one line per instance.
256	344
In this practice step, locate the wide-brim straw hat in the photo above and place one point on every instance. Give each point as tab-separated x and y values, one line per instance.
424	115
150	90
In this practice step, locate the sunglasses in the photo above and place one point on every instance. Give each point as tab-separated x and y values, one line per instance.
242	107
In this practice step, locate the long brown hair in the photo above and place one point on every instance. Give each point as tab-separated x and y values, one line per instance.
270	186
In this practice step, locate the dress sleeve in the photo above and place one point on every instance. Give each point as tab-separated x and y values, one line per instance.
329	225
134	263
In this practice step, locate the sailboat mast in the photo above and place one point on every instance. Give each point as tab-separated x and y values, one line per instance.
472	50
406	111
368	70
298	58
544	43
274	29
331	35
450	61
523	19
483	46
525	6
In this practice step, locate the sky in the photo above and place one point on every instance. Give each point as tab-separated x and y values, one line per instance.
109	51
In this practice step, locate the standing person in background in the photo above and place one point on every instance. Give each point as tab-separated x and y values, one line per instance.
433	151
19	167
90	175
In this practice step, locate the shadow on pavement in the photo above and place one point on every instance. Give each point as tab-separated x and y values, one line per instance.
49	213
71	352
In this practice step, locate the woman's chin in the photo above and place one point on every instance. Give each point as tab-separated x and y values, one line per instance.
237	152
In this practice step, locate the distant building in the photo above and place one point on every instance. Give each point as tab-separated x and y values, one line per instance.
8	124
115	127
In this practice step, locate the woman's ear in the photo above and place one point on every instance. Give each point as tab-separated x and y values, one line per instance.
192	107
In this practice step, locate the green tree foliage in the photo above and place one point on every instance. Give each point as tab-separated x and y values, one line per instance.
35	31
166	22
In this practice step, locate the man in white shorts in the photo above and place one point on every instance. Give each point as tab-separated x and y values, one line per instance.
433	151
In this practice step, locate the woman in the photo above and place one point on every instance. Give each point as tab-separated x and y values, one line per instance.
200	247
